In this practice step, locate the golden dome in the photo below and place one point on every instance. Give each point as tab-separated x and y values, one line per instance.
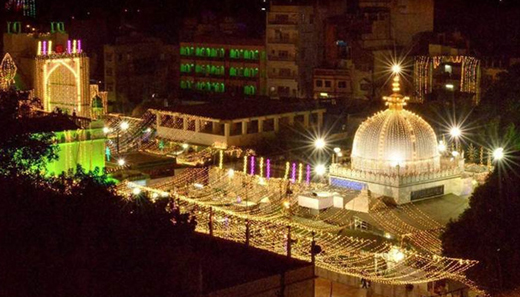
395	138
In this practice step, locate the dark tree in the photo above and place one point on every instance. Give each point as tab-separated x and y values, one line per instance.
488	230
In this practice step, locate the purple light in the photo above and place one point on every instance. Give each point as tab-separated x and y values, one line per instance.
268	169
252	165
44	50
69	46
293	173
79	46
308	174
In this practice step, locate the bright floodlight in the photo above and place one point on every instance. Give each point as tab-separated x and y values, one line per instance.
320	169
106	130
396	255
124	125
337	150
319	143
396	69
498	154
441	147
136	191
121	162
455	132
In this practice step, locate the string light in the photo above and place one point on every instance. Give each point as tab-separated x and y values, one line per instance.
268	165
300	173
261	166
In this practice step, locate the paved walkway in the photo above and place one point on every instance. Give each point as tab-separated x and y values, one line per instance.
323	289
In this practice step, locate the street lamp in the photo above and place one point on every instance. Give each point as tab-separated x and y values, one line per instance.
319	143
456	133
498	154
320	169
124	125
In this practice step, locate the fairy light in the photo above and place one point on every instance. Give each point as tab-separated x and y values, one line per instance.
252	165
286	174
245	165
268	168
293	173
221	159
261	165
300	173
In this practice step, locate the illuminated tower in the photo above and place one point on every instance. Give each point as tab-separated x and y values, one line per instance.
62	78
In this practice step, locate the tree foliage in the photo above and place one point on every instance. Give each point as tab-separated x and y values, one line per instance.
73	235
487	231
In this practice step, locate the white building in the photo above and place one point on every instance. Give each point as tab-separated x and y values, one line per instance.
396	154
237	123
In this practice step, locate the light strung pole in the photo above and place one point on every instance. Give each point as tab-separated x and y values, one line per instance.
123	127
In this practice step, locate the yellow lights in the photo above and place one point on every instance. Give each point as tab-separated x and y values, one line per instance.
49	50
455	154
319	143
121	162
245	165
136	191
231	173
449	86
39	51
261	166
324	95
455	132
344	255
320	169
185	146
337	150
220	159
74	46
498	154
396	69
124	125
396	255
198	186
106	130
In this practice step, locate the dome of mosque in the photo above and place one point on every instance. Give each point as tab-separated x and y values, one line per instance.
395	137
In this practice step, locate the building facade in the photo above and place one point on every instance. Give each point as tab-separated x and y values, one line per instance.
293	49
231	124
62	78
137	69
232	67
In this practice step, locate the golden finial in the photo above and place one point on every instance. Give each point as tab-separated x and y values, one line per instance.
396	101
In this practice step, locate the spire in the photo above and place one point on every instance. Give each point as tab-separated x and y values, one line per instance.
396	101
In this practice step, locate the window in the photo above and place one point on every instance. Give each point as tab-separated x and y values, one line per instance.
342	84
109	71
283	54
448	69
319	83
285	72
109	57
327	84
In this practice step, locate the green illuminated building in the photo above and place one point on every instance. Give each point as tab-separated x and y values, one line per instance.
235	67
85	147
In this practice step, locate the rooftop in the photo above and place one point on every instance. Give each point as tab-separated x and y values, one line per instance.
241	109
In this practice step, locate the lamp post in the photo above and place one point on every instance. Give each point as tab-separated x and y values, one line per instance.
123	127
456	133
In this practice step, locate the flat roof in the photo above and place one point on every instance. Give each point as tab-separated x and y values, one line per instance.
242	109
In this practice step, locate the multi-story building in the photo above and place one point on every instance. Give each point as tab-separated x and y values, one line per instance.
293	49
218	66
332	83
139	69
